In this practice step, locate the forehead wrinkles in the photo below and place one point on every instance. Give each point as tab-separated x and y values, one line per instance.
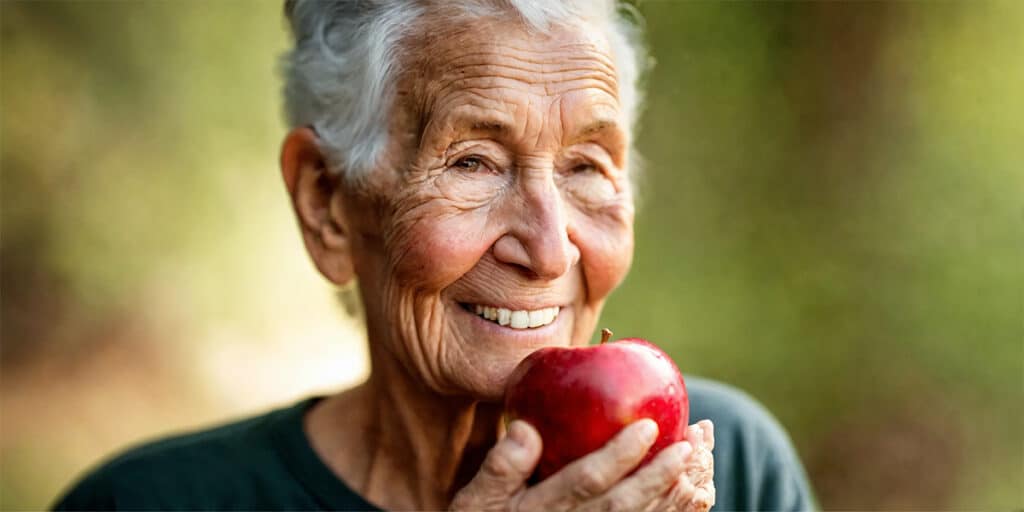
513	66
465	66
541	72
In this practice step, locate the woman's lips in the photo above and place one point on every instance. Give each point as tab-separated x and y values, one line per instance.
515	319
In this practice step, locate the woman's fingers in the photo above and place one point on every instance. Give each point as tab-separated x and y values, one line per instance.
702	432
709	433
680	477
592	475
703	497
686	497
648	484
677	499
700	468
694	490
504	471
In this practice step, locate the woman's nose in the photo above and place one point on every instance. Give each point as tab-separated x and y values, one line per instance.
538	238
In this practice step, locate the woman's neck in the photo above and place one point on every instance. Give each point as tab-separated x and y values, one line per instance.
400	445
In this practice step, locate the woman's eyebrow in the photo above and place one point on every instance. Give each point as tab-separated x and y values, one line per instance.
599	128
494	126
592	127
474	125
596	128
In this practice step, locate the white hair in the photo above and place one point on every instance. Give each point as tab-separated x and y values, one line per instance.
339	73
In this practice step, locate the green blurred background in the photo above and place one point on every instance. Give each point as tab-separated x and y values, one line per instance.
832	219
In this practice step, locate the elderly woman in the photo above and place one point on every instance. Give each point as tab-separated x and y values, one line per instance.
447	156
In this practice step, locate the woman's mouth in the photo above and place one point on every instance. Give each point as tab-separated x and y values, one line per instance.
515	319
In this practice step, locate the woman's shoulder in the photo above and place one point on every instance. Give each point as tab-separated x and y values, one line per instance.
204	469
738	418
756	465
726	405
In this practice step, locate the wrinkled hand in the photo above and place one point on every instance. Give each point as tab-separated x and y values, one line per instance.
694	491
679	478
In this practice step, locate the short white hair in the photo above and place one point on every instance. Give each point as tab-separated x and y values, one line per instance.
339	73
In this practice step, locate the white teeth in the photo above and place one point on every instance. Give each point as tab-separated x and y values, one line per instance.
537	317
521	319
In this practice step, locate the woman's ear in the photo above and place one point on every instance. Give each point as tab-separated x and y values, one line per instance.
313	189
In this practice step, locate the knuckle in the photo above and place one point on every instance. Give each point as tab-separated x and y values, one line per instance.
473	501
701	465
515	503
529	501
663	472
498	465
674	460
707	493
683	490
615	501
709	497
702	504
590	481
462	501
663	478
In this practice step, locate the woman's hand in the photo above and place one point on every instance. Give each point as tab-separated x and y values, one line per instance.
679	478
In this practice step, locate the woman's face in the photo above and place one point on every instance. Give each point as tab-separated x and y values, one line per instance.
507	219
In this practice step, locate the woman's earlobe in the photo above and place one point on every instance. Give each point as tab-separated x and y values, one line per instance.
335	264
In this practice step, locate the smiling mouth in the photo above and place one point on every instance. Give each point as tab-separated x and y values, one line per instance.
519	319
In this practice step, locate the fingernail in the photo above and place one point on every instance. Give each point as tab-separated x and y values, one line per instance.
517	432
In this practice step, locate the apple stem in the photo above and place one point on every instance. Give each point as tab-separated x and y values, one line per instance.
606	334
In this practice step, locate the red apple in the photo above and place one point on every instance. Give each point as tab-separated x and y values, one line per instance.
579	398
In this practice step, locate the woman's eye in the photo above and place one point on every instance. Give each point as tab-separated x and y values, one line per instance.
469	164
584	167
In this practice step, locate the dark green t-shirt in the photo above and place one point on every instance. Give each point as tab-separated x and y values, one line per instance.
267	463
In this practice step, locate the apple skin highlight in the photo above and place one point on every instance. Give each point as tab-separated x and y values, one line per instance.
579	398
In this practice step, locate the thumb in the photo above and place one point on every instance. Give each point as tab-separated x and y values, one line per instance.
504	471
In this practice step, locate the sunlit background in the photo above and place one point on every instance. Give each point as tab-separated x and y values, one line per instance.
832	220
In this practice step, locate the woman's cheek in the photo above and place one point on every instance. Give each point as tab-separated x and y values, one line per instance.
439	231
603	229
606	249
436	249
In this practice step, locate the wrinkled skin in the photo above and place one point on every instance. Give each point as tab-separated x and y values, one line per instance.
504	184
506	201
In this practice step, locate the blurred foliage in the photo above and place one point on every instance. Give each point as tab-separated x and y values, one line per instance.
833	222
831	219
152	276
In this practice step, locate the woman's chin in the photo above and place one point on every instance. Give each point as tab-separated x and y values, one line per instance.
486	376
488	352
